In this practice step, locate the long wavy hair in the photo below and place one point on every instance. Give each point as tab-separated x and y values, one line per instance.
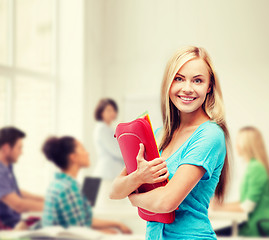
252	144
213	106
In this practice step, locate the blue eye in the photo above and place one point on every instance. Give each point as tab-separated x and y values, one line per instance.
179	79
197	80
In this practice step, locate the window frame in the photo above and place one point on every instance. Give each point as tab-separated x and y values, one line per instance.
10	70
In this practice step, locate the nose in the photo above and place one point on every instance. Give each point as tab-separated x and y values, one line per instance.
187	88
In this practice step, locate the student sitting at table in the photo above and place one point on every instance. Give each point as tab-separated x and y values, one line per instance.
13	201
254	192
64	203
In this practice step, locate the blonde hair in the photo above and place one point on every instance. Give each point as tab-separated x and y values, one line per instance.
252	144
213	105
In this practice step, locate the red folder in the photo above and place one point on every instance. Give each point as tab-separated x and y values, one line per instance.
129	136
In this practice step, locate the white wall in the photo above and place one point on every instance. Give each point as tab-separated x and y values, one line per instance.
70	109
93	73
137	37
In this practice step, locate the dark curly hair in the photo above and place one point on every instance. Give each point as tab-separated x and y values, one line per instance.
58	150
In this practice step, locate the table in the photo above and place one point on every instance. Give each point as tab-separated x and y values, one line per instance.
25	235
235	218
129	214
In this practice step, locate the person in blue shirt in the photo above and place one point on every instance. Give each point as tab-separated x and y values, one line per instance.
13	200
193	143
65	205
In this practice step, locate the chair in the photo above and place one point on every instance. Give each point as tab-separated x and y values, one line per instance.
3	227
264	231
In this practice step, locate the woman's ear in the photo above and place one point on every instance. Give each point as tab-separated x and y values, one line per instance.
6	148
72	158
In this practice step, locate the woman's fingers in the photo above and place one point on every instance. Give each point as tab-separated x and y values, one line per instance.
157	161
158	167
161	172
150	171
140	154
162	178
109	231
124	229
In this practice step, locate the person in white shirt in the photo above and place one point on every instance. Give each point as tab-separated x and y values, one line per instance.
109	158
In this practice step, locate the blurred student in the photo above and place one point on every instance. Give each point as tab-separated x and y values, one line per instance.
13	201
64	203
109	158
254	192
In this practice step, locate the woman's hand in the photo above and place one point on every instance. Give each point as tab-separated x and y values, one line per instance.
109	231
111	227
124	229
147	172
150	171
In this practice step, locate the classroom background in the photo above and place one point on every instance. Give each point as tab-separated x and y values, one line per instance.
58	58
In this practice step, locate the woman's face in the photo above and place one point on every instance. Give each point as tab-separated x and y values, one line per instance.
80	156
109	114
190	86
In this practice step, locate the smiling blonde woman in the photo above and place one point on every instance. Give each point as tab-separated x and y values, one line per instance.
193	143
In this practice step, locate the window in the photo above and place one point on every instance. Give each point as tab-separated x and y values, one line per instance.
3	31
34	35
28	81
3	100
33	113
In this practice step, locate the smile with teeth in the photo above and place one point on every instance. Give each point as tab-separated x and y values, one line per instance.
187	98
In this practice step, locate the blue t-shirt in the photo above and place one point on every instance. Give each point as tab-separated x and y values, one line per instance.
205	147
8	184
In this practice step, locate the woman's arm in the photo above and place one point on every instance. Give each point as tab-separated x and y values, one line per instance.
230	207
124	185
31	196
168	198
147	172
20	204
247	206
102	224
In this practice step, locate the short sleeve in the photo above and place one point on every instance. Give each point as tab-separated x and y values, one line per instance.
5	184
207	149
257	179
